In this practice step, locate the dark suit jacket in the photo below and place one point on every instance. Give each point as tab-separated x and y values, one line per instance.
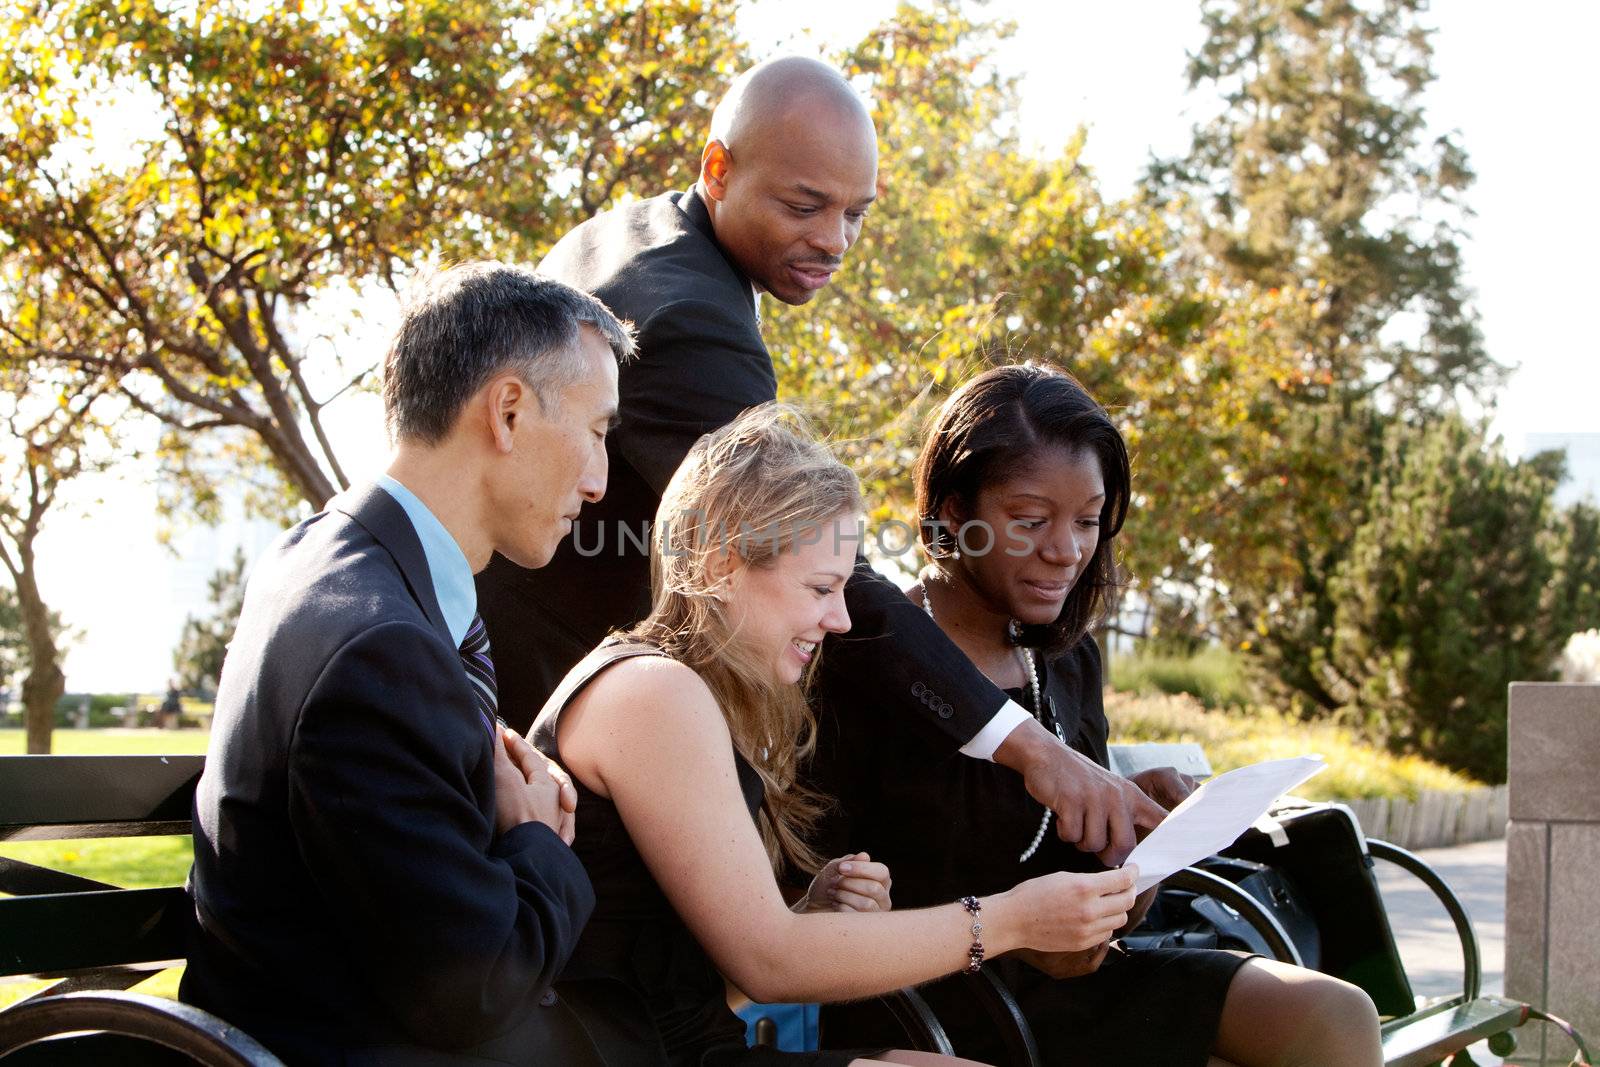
701	362
354	903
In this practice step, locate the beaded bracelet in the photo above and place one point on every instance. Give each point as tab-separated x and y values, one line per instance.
975	953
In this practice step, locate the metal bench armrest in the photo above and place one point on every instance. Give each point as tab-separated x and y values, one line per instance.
1004	1012
1471	961
183	1028
1194	880
1429	1036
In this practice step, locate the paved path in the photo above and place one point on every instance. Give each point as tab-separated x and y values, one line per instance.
1427	938
1424	932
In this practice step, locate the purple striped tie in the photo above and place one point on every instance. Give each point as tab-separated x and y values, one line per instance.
480	672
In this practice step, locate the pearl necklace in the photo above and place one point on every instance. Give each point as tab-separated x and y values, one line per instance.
1031	670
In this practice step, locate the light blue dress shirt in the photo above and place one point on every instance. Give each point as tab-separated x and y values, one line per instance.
447	564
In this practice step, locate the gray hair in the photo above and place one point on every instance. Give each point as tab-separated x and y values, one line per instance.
463	325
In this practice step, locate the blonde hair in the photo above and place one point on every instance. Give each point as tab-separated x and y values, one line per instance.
753	487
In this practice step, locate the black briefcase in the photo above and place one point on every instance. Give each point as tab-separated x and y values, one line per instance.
1181	918
1320	849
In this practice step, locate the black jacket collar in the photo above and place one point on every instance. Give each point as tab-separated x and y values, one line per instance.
694	209
382	516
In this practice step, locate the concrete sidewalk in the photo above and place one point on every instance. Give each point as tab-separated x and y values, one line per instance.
1424	933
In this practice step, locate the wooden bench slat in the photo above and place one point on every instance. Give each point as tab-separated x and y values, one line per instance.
63	932
1430	1036
19	878
55	797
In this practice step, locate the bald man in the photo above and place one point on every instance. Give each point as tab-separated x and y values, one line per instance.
787	175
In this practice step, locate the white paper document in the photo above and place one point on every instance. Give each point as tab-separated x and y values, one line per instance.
1213	816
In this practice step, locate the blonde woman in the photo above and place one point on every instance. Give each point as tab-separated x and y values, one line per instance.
684	737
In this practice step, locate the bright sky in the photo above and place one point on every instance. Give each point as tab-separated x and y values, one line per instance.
1509	83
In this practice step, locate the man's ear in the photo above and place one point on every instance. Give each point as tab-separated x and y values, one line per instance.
715	163
508	404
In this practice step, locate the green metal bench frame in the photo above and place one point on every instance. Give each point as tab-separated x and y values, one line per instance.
96	940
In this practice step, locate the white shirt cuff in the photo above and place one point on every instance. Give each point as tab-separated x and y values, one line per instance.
1008	718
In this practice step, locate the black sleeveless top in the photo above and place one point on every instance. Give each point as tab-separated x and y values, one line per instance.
634	935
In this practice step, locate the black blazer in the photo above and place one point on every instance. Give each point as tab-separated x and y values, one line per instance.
354	903
701	362
945	827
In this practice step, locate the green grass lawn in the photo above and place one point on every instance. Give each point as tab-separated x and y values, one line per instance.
135	862
112	741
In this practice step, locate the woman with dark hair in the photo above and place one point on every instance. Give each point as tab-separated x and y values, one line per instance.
1022	487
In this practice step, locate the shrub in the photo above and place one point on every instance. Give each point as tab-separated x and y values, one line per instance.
1458	575
102	709
1214	676
1239	737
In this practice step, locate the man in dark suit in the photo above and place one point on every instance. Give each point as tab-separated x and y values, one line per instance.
382	873
786	180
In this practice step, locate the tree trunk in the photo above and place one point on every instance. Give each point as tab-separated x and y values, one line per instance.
45	683
40	693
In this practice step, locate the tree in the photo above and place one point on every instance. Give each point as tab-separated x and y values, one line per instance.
13	642
1318	172
204	644
1456	578
304	152
1575	601
979	253
14	659
53	436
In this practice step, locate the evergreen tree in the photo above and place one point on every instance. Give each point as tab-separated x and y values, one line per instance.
1319	171
1452	586
201	650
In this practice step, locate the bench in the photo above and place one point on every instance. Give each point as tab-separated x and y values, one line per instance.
93	940
1414	1035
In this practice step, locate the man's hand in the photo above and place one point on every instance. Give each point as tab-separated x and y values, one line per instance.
1064	964
1167	786
1096	810
849	883
529	787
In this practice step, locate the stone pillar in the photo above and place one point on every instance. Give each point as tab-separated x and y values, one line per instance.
1553	863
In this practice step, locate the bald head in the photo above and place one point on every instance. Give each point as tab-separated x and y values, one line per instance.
788	172
785	91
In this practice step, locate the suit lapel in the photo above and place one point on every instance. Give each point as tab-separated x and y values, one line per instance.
694	209
382	516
